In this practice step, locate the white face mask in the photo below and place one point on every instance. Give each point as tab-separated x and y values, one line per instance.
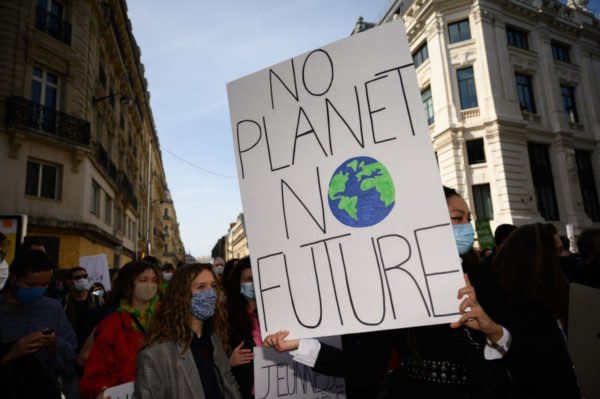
3	273
167	276
82	284
219	270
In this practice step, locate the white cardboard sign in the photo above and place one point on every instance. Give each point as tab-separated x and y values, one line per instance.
346	220
276	375
123	391
97	268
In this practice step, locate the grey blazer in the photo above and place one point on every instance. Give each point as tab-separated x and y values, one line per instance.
163	372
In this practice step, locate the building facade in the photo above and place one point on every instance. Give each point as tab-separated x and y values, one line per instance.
510	90
236	245
79	152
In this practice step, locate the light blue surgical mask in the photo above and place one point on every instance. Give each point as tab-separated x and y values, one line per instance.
204	303
464	236
247	290
29	295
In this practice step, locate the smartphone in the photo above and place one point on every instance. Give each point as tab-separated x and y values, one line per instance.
47	331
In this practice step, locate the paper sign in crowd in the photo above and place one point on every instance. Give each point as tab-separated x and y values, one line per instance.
346	221
97	269
276	375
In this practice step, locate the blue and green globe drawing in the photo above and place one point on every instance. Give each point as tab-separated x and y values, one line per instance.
361	192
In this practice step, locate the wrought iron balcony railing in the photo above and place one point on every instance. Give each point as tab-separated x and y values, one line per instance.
23	113
52	24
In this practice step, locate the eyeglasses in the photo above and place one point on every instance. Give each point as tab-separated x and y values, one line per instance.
80	277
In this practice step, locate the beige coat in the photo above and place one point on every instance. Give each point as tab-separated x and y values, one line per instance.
163	372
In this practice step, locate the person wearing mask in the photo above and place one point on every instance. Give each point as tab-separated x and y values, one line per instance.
119	337
184	356
218	266
37	343
98	292
531	300
167	273
453	362
3	262
79	303
244	330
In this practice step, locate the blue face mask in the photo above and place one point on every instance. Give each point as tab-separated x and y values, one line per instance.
247	290
464	236
29	295
204	303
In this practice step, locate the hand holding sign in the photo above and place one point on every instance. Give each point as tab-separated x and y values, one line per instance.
474	316
278	342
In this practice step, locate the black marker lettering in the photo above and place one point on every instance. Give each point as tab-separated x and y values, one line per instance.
263	290
318	322
329	106
309	131
292	93
374	111
320	71
269	149
399	70
240	150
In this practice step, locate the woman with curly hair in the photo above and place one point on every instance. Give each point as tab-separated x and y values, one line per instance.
184	355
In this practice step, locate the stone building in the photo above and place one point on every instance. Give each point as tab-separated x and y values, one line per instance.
79	151
237	242
510	89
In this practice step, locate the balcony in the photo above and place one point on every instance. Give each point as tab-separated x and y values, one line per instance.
23	113
126	189
53	25
105	162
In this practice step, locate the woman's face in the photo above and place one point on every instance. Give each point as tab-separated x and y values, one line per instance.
148	276
203	281
459	210
246	275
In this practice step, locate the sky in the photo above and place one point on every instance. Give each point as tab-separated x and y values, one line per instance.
190	50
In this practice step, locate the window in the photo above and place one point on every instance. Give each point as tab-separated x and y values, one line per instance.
466	88
43	180
95	206
483	202
517	37
560	51
108	204
568	99
543	181
525	92
428	103
587	183
50	19
459	31
421	55
475	151
44	93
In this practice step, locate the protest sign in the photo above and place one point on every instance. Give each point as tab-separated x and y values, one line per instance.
276	375
584	337
123	391
14	229
97	269
484	234
347	225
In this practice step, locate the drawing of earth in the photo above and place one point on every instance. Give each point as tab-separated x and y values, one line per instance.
361	192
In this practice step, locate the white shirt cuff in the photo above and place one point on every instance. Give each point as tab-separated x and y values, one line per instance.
493	351
307	352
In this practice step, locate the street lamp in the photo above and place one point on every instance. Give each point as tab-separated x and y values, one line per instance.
124	100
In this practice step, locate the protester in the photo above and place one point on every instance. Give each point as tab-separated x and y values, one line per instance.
218	266
589	251
500	235
167	273
533	297
119	336
3	263
79	303
184	355
244	331
98	292
433	361
37	343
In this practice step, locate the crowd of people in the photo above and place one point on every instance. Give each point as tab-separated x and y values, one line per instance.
189	331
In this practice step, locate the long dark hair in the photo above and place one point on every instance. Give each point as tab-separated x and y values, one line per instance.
528	270
123	289
240	324
172	319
